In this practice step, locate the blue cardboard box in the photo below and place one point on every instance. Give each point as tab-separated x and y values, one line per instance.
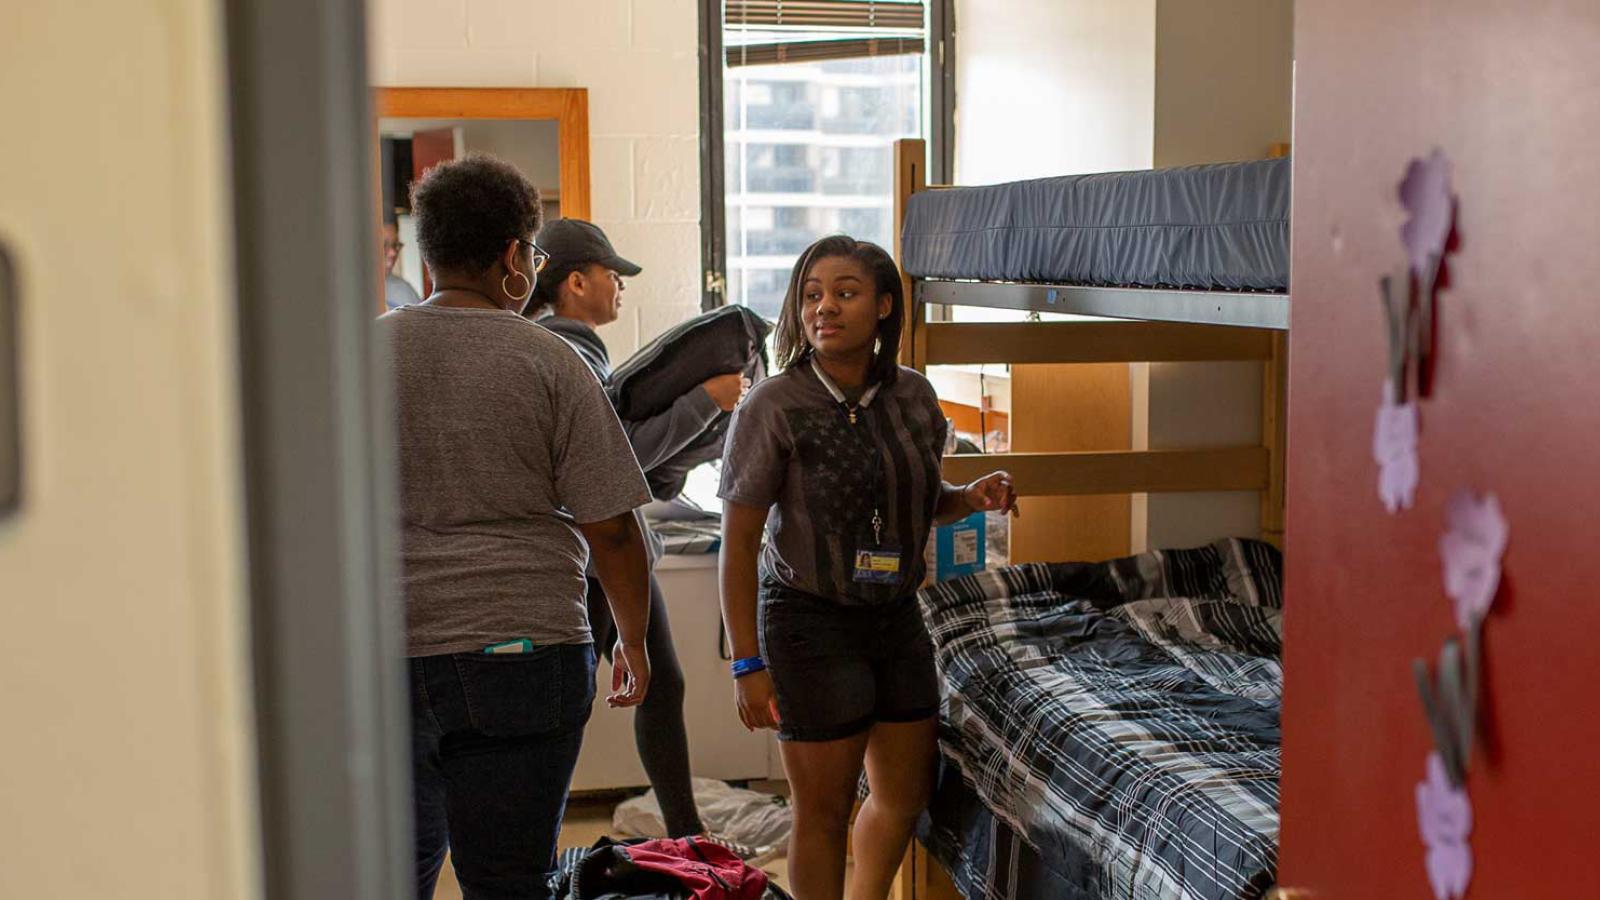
959	548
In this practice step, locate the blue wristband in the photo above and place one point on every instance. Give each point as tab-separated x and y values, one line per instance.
747	666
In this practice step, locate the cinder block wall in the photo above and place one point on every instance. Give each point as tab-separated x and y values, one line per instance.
638	59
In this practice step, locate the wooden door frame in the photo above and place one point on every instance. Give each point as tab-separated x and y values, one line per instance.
567	107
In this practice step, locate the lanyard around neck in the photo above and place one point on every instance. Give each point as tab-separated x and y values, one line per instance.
838	395
871	445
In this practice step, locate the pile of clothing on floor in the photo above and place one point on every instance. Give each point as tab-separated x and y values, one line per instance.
659	869
741	816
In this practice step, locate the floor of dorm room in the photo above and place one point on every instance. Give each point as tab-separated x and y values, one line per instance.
588	819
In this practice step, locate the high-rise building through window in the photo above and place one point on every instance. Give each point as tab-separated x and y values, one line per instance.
808	142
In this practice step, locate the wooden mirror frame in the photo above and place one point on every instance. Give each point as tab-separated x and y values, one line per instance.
568	107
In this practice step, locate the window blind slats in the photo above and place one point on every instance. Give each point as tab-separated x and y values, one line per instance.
853	14
817	51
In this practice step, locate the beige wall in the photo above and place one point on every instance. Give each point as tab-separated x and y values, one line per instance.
1053	87
639	60
1190	405
125	763
1223	71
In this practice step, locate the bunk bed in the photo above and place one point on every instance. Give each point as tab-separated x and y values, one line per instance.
1146	323
1186	265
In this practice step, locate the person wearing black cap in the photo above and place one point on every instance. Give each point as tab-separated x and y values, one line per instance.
579	291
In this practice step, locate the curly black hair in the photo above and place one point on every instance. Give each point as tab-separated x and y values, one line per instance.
468	208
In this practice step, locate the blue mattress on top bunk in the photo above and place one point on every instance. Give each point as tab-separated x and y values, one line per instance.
1216	227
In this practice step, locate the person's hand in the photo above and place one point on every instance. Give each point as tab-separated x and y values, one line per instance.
758	702
727	390
630	674
992	491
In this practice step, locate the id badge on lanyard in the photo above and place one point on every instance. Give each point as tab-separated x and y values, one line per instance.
876	563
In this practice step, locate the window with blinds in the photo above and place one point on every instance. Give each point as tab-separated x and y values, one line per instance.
770	32
813	94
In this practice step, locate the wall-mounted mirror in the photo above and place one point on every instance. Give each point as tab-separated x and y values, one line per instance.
542	131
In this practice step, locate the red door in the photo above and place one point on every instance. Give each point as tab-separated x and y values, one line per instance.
1511	92
428	149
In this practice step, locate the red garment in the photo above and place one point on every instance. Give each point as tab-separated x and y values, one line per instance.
708	871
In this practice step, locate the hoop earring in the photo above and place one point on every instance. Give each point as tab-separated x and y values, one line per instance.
522	295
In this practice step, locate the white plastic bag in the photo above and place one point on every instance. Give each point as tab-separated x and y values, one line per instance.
749	817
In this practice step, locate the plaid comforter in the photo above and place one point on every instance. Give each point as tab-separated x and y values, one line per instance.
1124	714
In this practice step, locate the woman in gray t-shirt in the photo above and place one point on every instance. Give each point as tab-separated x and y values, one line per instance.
837	459
512	462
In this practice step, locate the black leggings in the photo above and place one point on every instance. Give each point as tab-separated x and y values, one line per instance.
658	729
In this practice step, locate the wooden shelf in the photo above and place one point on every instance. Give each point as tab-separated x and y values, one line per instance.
1075	473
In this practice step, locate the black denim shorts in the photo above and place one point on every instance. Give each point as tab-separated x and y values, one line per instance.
838	669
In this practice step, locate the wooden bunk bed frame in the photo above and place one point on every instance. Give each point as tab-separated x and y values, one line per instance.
1171	326
1166	326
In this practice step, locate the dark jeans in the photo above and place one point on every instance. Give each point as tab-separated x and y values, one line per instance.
494	741
658	729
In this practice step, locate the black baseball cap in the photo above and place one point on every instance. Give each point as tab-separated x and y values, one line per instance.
574	242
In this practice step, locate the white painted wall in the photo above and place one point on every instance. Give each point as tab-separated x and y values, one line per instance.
639	60
1053	87
1223	93
128	741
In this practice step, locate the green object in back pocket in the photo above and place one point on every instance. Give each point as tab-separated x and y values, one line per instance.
520	645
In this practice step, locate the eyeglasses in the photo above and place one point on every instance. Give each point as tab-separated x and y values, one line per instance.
540	258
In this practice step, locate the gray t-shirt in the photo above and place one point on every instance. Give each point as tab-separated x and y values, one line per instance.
506	442
792	446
